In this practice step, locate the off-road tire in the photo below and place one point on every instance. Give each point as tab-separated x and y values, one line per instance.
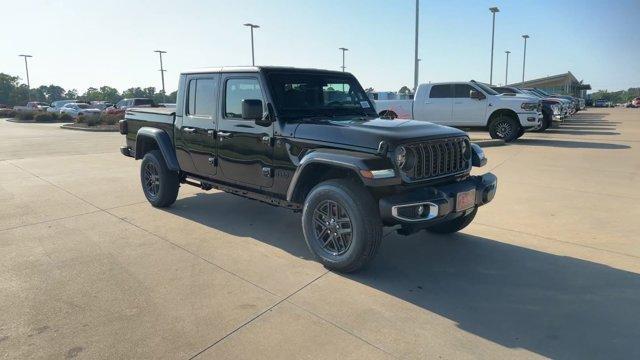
166	183
365	224
388	114
455	225
498	128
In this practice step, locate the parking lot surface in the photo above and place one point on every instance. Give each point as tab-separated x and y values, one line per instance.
88	269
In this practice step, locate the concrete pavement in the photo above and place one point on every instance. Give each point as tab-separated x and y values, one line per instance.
88	269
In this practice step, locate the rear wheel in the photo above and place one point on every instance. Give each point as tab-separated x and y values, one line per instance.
387	114
160	185
454	225
341	225
505	128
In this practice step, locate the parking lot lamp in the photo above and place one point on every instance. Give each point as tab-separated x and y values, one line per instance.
162	70
415	59
524	57
26	66
493	10
252	26
506	71
343	51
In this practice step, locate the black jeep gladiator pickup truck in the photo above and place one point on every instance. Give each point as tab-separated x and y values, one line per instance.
309	140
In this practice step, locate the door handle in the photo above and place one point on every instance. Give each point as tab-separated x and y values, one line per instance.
189	130
222	135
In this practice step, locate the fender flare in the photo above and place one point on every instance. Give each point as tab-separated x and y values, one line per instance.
344	159
162	139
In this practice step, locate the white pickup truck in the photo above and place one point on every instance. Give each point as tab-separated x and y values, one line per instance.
470	105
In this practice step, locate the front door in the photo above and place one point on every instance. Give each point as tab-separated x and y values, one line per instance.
467	111
199	122
244	148
436	108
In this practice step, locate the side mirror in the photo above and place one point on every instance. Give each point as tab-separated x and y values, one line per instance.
252	110
474	94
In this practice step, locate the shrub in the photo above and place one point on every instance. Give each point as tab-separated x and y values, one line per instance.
81	119
92	120
43	117
7	113
64	117
110	119
25	115
54	116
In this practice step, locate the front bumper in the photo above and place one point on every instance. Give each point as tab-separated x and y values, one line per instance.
530	120
439	200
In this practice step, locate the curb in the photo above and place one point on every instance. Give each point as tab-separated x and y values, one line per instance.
71	127
489	143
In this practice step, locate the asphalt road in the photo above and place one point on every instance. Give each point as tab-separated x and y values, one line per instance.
88	269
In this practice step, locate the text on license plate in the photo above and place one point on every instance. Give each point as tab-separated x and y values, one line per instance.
465	200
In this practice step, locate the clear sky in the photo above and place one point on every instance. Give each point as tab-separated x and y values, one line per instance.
77	44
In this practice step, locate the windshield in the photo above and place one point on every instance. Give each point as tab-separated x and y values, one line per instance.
486	88
529	92
318	95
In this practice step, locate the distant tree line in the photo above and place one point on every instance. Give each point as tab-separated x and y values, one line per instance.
622	96
12	92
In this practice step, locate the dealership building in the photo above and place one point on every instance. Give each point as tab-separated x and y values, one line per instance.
566	84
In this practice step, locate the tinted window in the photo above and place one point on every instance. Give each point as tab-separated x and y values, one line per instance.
201	97
440	91
143	102
238	90
462	90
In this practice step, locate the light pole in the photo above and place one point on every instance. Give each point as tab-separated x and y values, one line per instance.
524	58
415	59
26	66
343	51
506	71
162	70
493	10
252	26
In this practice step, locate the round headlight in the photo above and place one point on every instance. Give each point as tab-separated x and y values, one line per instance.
401	156
405	158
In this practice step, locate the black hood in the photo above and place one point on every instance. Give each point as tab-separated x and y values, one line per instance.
369	133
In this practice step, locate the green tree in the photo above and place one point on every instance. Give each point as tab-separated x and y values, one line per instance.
8	85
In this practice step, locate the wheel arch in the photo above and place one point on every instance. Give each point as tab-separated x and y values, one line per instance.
503	112
148	139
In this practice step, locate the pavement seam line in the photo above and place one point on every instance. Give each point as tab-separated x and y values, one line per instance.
50	220
258	315
341	328
190	252
560	241
56	186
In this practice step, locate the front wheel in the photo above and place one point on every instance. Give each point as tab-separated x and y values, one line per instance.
505	128
160	185
341	225
454	225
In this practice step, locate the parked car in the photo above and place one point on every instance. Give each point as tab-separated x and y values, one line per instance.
57	105
121	106
309	140
32	106
102	105
636	102
468	104
551	109
77	109
567	104
601	103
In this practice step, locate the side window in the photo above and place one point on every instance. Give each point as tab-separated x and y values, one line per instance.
462	90
440	91
238	90
201	100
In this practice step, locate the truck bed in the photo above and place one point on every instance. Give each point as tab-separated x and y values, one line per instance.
153	114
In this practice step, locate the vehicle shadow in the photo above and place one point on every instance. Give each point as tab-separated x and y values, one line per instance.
569	144
554	306
565	131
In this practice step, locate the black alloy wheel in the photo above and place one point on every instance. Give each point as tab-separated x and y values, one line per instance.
332	227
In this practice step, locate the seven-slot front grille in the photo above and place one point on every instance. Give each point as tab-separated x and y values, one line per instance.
438	158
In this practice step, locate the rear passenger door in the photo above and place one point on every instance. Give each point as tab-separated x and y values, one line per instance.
468	111
437	106
197	131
